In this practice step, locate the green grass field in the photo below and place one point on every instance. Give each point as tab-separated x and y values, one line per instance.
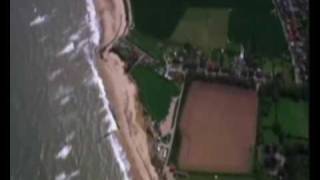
279	64
259	30
206	28
292	116
160	18
211	177
227	61
157	18
149	44
155	91
251	23
269	137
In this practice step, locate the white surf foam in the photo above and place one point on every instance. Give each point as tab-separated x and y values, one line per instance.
64	152
74	174
70	136
66	31
96	79
64	176
93	23
67	49
76	36
43	38
65	100
79	48
61	176
117	148
63	91
54	74
39	20
119	153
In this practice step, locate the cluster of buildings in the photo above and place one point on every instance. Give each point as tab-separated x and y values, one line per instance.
132	54
179	61
273	161
294	15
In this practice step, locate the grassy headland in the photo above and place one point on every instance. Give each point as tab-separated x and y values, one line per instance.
156	92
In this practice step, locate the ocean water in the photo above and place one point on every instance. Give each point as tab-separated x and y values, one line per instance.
59	113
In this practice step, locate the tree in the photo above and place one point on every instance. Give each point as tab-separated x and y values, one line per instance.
277	129
188	47
233	49
297	167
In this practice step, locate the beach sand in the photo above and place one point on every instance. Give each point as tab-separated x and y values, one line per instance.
122	92
165	127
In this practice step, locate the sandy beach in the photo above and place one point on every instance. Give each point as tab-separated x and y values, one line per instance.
122	92
165	127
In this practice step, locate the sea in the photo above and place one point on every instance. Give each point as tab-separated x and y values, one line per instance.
61	125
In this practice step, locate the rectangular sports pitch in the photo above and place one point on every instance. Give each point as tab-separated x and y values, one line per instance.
218	129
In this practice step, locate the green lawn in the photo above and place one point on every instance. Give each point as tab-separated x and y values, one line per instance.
258	30
269	137
160	18
157	18
148	44
200	176
295	141
251	23
279	64
155	91
292	116
227	61
206	28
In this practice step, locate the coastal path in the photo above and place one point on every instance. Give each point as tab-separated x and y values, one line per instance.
173	130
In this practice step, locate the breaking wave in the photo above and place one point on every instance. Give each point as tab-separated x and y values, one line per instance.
39	20
119	153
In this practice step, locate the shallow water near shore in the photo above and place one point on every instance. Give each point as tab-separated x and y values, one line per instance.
58	111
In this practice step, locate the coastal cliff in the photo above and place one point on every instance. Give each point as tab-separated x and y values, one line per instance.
116	19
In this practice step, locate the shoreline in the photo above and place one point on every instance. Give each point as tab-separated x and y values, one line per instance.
122	91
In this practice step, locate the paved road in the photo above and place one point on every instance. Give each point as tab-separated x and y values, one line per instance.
173	130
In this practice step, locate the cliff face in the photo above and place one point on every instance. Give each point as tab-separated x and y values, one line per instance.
121	91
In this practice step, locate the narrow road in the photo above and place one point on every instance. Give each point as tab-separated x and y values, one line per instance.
173	130
139	49
293	58
137	62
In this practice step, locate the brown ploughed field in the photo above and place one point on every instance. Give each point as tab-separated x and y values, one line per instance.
218	129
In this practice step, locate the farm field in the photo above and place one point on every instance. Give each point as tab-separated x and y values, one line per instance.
205	28
252	23
292	116
260	31
212	134
155	91
157	18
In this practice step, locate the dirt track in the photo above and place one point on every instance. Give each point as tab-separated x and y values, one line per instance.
218	128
